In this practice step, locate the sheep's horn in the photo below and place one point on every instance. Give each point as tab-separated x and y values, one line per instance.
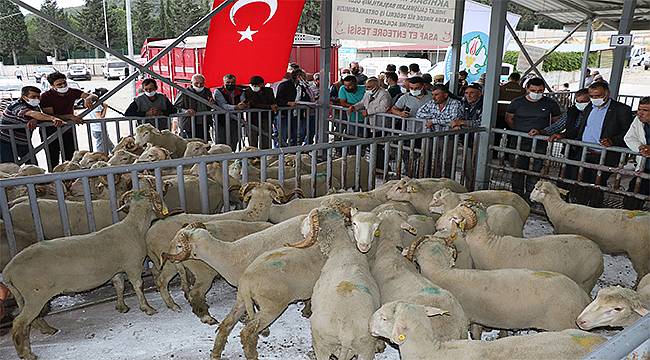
311	238
410	253
194	225
124	196
279	193
244	190
469	216
298	193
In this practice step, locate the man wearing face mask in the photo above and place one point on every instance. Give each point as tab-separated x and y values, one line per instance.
24	111
152	105
525	113
355	69
408	104
605	123
231	98
336	87
572	117
638	139
392	87
59	101
191	106
259	96
376	100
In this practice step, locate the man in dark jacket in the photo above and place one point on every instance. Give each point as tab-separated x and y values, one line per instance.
151	104
258	128
289	93
231	98
605	122
195	126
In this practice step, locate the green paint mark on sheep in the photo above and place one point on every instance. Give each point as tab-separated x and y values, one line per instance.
636	213
362	288
545	274
587	341
277	264
432	290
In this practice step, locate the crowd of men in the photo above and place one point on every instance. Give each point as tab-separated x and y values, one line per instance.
404	92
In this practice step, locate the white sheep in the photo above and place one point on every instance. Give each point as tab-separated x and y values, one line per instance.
398	279
91	158
408	325
79	263
9	168
216	149
196	148
572	255
122	157
147	133
128	143
615	231
419	192
66	166
445	199
617	306
502	299
350	171
153	153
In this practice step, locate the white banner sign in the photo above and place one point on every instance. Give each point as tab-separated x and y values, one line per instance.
409	21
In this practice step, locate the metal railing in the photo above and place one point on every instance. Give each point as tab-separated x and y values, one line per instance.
623	343
255	127
587	169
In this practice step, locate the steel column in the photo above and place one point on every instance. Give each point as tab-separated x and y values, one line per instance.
491	92
585	55
525	53
129	41
456	42
325	64
620	52
554	48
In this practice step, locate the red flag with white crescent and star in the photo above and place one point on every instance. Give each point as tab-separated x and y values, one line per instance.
251	37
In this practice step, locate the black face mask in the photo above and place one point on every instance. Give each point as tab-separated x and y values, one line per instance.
230	87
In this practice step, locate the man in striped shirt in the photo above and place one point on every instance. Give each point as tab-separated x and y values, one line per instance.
24	111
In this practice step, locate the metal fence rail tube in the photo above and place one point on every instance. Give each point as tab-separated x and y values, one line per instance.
63	209
8	224
620	345
36	212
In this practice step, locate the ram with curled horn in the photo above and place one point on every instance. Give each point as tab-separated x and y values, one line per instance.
183	244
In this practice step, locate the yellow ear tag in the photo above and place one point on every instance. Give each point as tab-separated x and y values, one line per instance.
165	211
401	337
377	233
461	226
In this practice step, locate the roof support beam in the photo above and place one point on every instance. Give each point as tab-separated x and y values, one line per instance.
625	26
586	11
526	55
456	42
585	54
554	47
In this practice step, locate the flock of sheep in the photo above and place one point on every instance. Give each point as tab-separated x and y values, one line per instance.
421	264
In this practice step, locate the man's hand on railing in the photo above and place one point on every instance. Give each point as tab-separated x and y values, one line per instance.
364	113
404	114
457	124
429	124
76	119
241	106
555	137
534	132
275	108
190	112
153	112
644	150
606	142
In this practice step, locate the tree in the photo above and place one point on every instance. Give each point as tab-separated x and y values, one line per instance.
117	27
13	31
90	20
310	18
142	21
162	27
51	39
184	13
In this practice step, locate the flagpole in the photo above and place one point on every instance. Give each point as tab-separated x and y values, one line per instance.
325	65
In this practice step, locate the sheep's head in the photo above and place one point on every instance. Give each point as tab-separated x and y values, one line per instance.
78	155
154	153
92	157
128	143
465	217
122	157
614	306
365	227
196	148
144	134
404	190
66	166
313	224
543	188
263	189
442	199
181	246
219	149
440	251
29	170
397	319
133	197
392	219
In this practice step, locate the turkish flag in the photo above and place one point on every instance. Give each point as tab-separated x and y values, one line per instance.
251	37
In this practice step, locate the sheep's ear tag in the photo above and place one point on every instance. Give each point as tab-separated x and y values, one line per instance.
377	233
401	337
409	229
165	211
641	311
411	189
461	225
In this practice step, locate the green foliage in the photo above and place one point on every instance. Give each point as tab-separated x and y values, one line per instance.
51	39
182	14
310	18
13	31
142	21
510	57
556	61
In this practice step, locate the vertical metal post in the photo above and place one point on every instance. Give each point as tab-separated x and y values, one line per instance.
129	41
585	55
459	15
108	45
488	119
620	52
325	64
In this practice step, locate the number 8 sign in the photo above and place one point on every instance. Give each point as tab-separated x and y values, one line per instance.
620	40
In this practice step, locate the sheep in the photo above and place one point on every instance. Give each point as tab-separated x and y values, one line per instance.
350	171
321	188
9	168
196	148
404	207
615	231
78	155
501	219
419	192
406	325
398	279
79	263
22	238
445	199
505	298
122	157
67	166
193	194
153	153
216	149
29	170
129	144
343	301
147	133
290	161
254	174
157	240
617	306
91	158
572	255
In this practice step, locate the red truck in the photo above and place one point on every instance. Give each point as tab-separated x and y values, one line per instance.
187	59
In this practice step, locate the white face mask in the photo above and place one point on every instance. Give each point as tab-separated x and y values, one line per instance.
150	93
581	106
198	89
62	90
255	88
33	102
598	102
416	92
404	91
535	96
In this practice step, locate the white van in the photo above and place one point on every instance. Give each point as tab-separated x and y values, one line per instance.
114	69
374	66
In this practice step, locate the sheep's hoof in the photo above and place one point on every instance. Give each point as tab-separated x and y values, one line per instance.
30	356
148	310
207	319
49	331
122	308
266	332
174	307
380	346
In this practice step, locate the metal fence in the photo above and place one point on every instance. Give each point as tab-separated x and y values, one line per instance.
589	171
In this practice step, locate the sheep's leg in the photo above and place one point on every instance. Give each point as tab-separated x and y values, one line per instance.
185	279
639	263
476	331
225	328
118	284
165	275
262	319
41	325
135	278
202	284
21	327
321	352
306	311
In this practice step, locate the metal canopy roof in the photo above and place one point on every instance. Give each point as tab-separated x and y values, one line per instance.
570	12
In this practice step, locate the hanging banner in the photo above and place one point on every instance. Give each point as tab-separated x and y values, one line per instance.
408	21
474	45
